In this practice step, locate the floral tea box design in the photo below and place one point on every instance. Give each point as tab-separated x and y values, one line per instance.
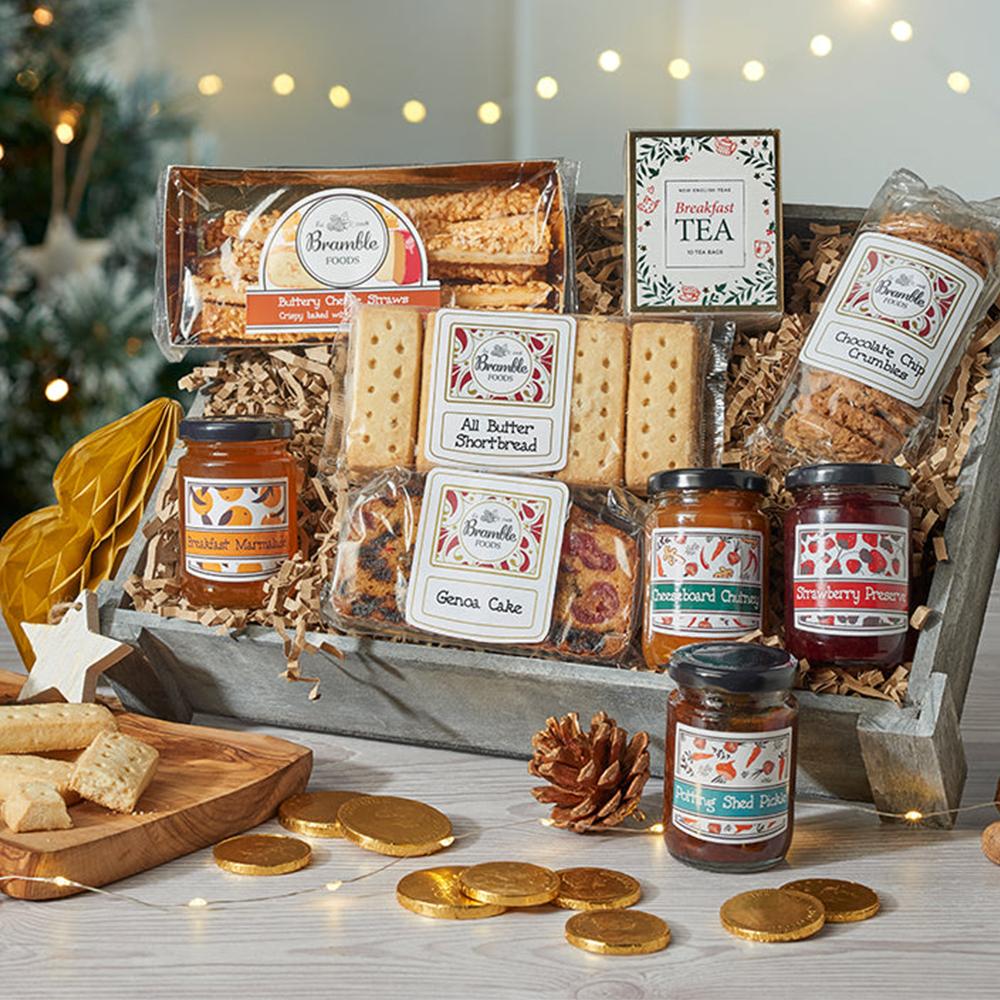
703	223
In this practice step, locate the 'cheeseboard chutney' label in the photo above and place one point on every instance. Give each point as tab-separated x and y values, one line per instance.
486	556
500	390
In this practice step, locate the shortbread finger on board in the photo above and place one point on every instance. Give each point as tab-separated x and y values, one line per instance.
56	726
381	424
16	769
596	445
663	426
35	805
426	377
114	771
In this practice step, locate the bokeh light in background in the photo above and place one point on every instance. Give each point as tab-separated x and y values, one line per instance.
414	111
210	84
902	31
547	87
489	112
339	96
283	84
820	45
959	82
609	60
753	70
679	69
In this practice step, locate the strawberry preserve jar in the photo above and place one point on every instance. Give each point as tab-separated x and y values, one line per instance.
847	565
729	778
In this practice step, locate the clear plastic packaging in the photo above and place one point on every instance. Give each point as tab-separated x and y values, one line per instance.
597	601
920	274
266	256
720	351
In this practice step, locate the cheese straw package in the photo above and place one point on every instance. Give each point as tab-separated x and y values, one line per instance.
920	274
262	257
519	563
589	399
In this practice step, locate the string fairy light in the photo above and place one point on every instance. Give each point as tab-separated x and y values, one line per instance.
901	30
753	70
2	150
64	132
820	45
609	60
339	96
489	112
56	390
414	111
210	84
283	84
42	16
959	81
679	69
547	87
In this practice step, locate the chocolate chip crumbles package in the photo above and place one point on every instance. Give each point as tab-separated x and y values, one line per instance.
261	257
920	274
521	564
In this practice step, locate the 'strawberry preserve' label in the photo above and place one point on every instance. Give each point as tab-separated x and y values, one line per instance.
851	579
705	582
731	788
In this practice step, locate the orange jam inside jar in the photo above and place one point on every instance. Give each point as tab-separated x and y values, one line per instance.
707	552
238	495
729	777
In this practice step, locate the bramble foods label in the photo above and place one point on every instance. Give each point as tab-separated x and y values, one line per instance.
500	390
235	529
330	244
731	788
851	579
705	582
893	316
486	556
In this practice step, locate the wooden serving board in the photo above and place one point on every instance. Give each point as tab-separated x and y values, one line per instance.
210	784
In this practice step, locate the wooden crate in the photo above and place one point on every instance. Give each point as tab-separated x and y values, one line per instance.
858	749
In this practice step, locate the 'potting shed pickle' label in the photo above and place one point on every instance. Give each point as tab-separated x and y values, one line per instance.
893	316
486	556
500	390
706	582
235	530
731	788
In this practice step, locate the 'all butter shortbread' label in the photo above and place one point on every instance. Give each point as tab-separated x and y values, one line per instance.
500	390
487	556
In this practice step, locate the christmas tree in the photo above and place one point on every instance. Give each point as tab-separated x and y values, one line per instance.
79	158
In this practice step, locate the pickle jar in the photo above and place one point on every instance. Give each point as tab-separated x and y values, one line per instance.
707	547
237	512
729	778
847	565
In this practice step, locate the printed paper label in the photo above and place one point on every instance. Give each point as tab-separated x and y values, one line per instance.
330	244
501	389
731	788
705	582
487	556
851	579
893	316
235	529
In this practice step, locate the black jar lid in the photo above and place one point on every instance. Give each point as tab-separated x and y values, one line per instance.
848	474
235	428
737	667
707	479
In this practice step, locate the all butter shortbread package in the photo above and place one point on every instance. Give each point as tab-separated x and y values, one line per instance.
518	563
264	257
920	274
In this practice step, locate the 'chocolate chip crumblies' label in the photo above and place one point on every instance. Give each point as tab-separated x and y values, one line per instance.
893	316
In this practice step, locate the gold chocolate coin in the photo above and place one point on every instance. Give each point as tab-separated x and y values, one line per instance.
401	828
262	854
510	883
772	915
617	932
845	902
314	813
437	892
596	889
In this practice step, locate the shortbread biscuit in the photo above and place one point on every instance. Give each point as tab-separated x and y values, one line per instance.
35	805
56	726
114	771
16	769
527	296
426	379
381	424
596	455
488	202
516	239
665	393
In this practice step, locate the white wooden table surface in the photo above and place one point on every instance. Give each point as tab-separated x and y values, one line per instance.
938	935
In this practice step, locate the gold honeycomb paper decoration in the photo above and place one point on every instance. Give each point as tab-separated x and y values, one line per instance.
102	485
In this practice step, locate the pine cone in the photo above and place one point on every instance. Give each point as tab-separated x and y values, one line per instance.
596	778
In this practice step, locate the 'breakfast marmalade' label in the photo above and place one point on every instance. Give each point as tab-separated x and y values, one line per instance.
851	579
731	788
500	390
235	529
893	316
705	582
486	556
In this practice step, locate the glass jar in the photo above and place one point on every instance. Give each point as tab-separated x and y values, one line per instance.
847	565
237	512
729	777
706	544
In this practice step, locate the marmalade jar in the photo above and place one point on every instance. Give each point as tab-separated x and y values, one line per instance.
707	544
237	512
847	565
729	778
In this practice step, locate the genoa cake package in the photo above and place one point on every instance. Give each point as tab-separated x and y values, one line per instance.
263	257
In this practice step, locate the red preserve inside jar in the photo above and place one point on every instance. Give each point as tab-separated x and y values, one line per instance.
847	565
